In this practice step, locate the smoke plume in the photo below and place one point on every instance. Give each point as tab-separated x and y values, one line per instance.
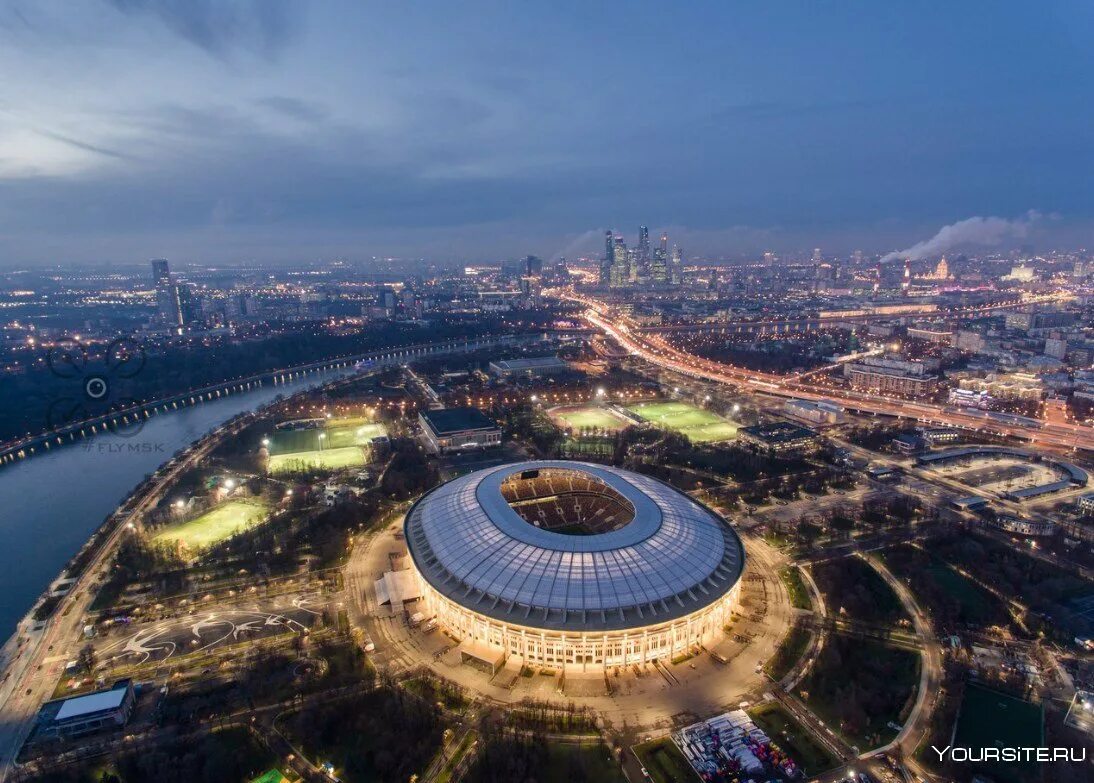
974	231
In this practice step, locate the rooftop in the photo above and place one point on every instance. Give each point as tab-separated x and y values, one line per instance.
659	557
778	432
452	420
91	703
531	363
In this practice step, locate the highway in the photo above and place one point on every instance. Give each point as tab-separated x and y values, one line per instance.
656	350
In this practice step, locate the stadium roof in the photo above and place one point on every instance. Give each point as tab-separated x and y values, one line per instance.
451	420
672	559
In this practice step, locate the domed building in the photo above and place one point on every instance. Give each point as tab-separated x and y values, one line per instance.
573	564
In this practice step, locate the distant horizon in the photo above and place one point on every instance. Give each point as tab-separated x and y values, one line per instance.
277	131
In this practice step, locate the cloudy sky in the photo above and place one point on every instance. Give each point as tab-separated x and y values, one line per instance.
220	130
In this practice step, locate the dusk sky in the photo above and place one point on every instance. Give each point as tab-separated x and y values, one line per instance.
275	131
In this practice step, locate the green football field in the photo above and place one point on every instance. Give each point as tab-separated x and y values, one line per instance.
991	719
338	434
327	459
215	525
575	417
700	426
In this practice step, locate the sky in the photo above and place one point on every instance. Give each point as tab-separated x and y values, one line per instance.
266	130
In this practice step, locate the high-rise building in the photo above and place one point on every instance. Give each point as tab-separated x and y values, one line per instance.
533	266
659	265
608	259
642	272
676	267
620	271
168	307
817	257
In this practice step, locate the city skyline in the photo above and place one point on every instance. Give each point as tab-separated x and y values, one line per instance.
839	126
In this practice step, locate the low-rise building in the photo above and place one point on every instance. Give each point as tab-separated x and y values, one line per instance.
778	437
822	412
91	712
533	367
458	429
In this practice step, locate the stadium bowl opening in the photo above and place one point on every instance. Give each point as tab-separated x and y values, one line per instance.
567	564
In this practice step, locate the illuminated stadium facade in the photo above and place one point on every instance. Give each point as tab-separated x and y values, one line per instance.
572	564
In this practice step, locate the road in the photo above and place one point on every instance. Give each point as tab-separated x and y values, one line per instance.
656	350
33	674
918	724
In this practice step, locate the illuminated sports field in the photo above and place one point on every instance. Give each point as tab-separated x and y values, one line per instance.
295	451
576	417
700	426
214	526
327	459
340	433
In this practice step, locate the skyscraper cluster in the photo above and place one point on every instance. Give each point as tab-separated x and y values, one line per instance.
175	302
641	265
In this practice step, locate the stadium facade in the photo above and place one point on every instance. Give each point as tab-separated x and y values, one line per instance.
568	564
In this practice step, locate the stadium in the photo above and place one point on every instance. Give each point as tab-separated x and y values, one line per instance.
569	564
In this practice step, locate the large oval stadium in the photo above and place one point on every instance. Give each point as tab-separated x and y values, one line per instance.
573	564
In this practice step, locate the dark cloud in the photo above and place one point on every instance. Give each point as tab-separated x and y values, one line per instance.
221	27
86	146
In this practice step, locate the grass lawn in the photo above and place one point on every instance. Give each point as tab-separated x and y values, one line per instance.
664	761
214	526
788	654
592	758
700	426
990	719
795	586
339	433
327	459
952	599
574	417
857	687
793	738
591	446
853	589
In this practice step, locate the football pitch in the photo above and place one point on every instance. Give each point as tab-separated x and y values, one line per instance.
327	459
700	426
576	417
991	719
215	525
338	434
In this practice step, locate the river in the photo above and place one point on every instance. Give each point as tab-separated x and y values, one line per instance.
52	502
